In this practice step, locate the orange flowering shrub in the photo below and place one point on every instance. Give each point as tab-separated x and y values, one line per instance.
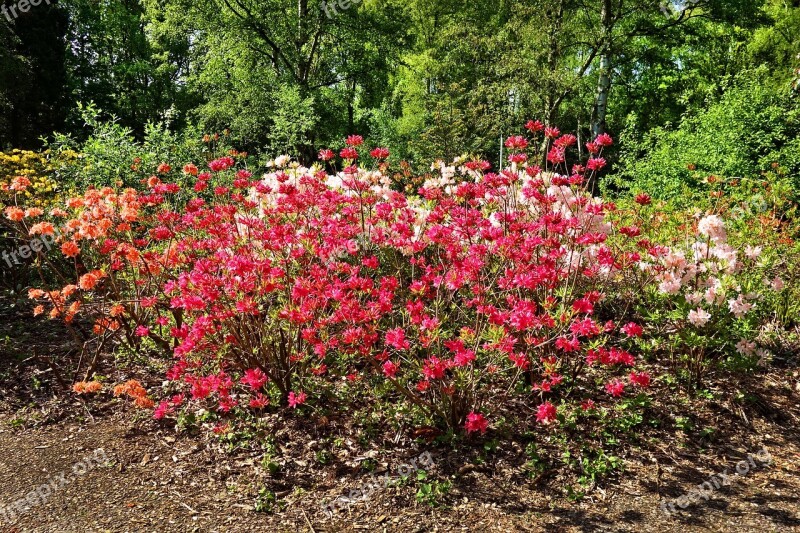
83	387
134	390
88	262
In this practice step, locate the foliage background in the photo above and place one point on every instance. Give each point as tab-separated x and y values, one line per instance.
714	85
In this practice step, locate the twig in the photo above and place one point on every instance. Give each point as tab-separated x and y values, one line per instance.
190	509
308	521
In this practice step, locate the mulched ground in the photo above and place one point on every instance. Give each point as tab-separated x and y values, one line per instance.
151	478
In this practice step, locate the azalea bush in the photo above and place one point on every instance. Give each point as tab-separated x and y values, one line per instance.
475	293
725	276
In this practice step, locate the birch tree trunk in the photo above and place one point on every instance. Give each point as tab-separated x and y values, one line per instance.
604	75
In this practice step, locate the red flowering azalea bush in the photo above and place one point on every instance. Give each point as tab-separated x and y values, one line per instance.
481	291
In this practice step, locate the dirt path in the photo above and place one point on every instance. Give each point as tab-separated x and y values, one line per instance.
157	482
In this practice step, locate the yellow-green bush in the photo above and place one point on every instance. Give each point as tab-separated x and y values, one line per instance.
41	168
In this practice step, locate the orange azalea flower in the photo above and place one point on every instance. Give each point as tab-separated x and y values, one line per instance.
163	168
68	290
135	390
15	214
105	224
117	310
190	169
129	214
55	296
55	313
20	183
90	231
152	181
38	310
144	403
91	387
152	269
104	324
75	203
132	254
91	196
42	228
88	281
58	212
34	294
33	212
129	195
123	227
70	249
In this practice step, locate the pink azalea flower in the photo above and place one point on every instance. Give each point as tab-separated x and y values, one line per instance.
615	388
641	379
546	413
296	400
259	401
632	329
396	338
476	422
254	378
390	369
699	317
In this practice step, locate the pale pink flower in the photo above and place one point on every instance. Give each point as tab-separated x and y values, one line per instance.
700	250
675	260
669	284
699	317
777	284
746	347
694	298
752	252
714	294
713	227
727	254
739	307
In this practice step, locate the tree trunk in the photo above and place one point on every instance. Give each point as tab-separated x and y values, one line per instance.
604	77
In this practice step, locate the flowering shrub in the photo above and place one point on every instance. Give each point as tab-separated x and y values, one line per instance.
480	291
455	296
40	168
724	277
